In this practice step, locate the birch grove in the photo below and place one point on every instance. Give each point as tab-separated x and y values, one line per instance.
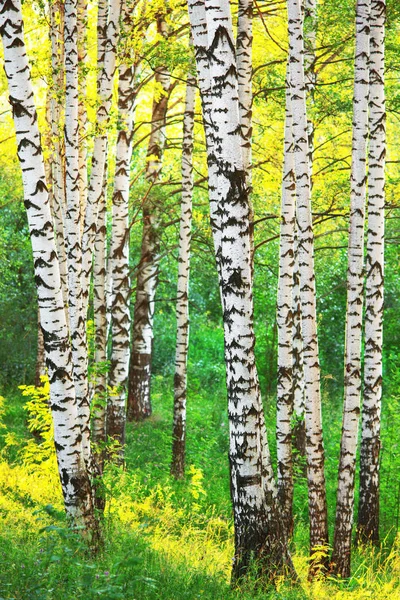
271	199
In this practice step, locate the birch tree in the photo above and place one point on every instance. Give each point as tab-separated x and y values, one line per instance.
258	530
67	436
119	256
284	318
99	401
368	510
355	290
139	403
299	434
313	420
182	303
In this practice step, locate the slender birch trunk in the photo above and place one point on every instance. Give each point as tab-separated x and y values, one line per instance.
355	290
77	318
57	149
299	429
299	433
139	403
244	43
313	420
73	475
105	89
120	313
284	318
310	35
258	532
368	510
82	116
99	402
182	304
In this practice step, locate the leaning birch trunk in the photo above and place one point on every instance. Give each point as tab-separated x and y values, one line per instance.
67	436
313	418
258	532
182	303
77	319
355	290
139	403
119	257
284	319
368	510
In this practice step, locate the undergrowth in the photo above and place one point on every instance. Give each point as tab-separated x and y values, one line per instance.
163	539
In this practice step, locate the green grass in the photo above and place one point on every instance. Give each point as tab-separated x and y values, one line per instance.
165	539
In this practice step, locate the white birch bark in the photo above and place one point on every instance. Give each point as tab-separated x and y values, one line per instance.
313	420
73	476
244	43
82	116
57	154
77	319
257	524
139	403
200	43
119	257
299	434
99	401
284	318
368	511
182	303
105	88
355	289
310	35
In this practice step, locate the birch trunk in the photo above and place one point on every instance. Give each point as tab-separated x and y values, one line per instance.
299	429
99	402
258	532
57	149
82	116
139	403
120	313
368	511
313	420
100	295
73	475
244	43
182	304
355	289
284	318
77	318
105	88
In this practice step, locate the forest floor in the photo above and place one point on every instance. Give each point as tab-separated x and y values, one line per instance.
164	539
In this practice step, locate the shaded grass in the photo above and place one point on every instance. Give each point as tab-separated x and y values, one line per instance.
163	539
